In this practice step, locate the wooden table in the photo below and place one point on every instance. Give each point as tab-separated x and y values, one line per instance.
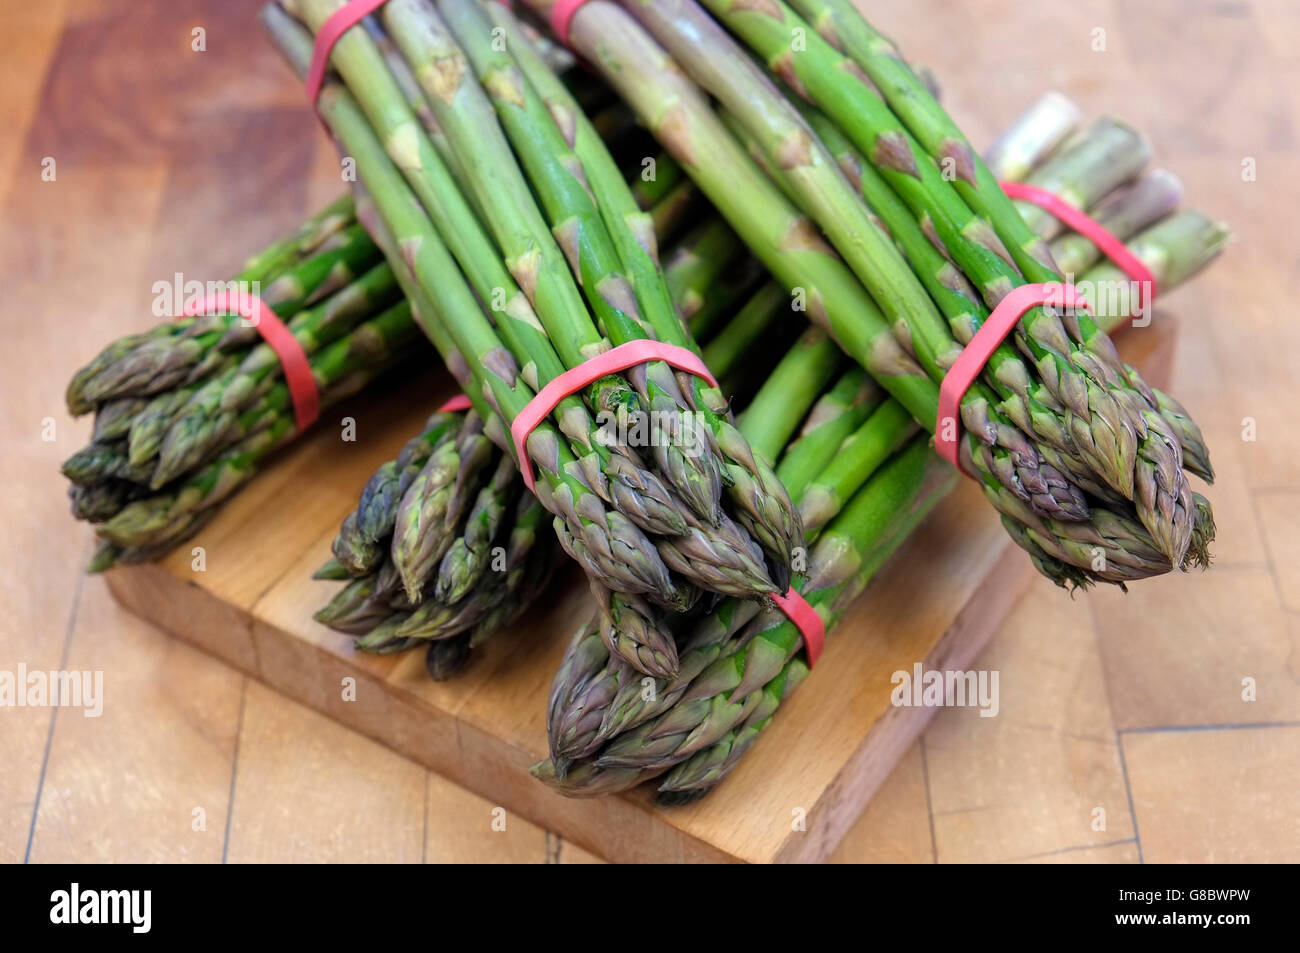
1123	732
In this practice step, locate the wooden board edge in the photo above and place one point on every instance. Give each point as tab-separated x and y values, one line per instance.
619	828
431	738
466	754
857	782
187	610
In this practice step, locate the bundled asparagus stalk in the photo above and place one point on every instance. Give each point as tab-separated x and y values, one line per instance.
608	732
443	550
735	669
446	546
653	520
688	508
186	410
1064	438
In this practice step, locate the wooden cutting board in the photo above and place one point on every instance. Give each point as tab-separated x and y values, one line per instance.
792	798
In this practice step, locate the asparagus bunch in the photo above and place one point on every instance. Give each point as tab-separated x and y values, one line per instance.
1057	429
742	666
443	550
428	562
517	204
185	411
608	731
735	669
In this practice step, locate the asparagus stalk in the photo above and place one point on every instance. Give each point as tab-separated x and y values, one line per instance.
649	191
606	542
789	391
150	426
103	461
425	523
102	500
1033	137
362	542
730	346
445	657
356	608
427	171
340	370
1108	155
528	567
1123	214
804	165
832	420
591	207
1111	417
566	181
196	431
671	214
466	560
694	266
115	418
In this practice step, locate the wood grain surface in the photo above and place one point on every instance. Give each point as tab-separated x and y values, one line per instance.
174	160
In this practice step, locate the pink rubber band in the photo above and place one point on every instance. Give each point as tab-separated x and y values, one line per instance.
1091	229
573	380
293	359
562	12
455	405
806	620
338	23
976	354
